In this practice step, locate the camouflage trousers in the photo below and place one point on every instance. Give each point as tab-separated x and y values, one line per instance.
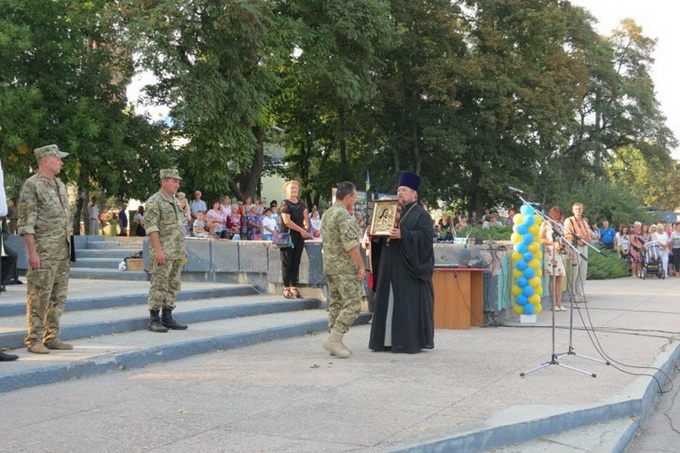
345	294
165	284
46	292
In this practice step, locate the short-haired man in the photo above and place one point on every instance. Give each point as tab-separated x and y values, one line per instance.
164	223
45	224
343	266
577	231
607	235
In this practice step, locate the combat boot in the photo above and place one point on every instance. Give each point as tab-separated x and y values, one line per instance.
155	323
58	345
169	322
334	345
37	347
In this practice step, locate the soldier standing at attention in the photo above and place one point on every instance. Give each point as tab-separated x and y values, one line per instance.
44	223
164	223
343	266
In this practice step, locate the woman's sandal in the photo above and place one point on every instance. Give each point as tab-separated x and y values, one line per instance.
288	294
295	293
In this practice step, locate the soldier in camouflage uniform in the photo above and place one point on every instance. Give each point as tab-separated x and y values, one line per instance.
45	224
164	222
343	266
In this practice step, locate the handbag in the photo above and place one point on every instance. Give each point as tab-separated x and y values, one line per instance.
282	240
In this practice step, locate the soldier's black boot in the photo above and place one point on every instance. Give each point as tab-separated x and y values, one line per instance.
155	323
169	322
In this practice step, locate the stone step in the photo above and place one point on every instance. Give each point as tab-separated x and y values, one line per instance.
132	294
96	263
105	321
113	253
102	354
108	274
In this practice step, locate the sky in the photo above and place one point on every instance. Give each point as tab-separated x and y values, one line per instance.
654	16
658	21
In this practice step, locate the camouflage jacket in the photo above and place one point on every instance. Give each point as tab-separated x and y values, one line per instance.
44	213
340	235
163	215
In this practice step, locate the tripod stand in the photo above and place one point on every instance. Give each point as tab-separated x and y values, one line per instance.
556	238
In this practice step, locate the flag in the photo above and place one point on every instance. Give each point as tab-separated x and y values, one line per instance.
368	181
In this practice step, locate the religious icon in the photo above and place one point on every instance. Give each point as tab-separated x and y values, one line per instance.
385	217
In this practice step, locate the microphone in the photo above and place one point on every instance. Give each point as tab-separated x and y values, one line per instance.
514	189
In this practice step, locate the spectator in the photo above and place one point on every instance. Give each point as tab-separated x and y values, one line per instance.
259	207
93	216
622	240
269	225
196	205
253	224
294	220
446	228
139	221
315	223
607	235
275	211
491	221
234	223
13	216
200	230
217	221
473	220
123	221
595	234
661	238
675	241
186	212
510	221
637	243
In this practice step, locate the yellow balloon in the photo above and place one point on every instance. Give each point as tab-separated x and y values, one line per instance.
516	238
537	220
516	290
516	273
518	219
516	256
538	290
535	264
535	299
539	309
534	229
534	247
535	282
539	273
518	309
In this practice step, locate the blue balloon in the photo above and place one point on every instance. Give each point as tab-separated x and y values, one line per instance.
528	256
521	300
520	247
526	210
528	238
522	229
529	273
528	291
529	220
521	265
522	282
529	309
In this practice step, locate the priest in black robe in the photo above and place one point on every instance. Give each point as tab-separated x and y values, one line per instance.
404	314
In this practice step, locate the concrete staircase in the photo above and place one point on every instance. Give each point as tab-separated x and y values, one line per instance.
107	324
98	257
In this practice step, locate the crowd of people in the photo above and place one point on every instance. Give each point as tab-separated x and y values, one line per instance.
632	240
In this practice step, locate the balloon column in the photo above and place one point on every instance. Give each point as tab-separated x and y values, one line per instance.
526	263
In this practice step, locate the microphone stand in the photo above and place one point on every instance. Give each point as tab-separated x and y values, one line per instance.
554	356
572	297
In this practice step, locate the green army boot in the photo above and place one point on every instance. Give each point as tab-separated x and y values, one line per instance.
334	345
169	322
155	323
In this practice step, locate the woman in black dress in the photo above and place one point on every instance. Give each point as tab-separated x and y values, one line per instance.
294	220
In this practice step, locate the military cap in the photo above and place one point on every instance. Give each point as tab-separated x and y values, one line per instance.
48	151
170	173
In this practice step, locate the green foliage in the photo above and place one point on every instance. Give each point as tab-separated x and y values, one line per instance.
606	265
494	233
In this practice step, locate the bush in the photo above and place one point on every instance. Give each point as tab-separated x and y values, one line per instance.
606	265
494	233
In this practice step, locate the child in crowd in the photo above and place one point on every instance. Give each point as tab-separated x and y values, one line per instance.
199	226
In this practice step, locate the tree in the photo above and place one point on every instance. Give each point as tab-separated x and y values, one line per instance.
62	81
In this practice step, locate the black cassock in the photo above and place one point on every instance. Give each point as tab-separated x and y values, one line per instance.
405	274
